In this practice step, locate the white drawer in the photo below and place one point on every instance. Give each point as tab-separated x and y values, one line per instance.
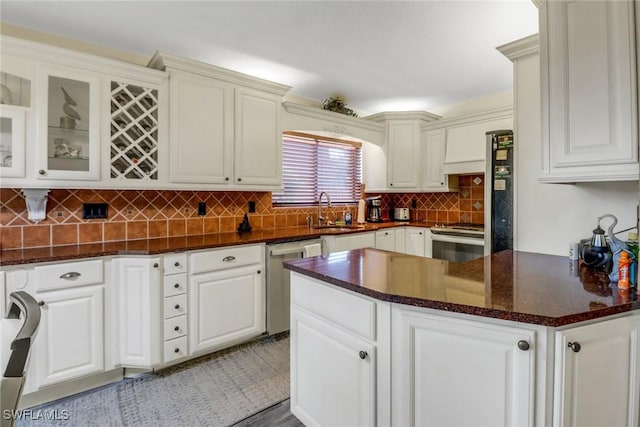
175	284
343	308
175	349
175	264
230	257
175	327
69	274
175	306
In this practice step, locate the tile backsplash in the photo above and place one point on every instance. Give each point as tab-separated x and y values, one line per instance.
142	214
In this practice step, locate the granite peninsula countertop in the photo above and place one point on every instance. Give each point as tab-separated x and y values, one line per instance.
519	286
184	243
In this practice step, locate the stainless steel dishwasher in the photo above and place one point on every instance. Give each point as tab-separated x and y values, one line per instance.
278	292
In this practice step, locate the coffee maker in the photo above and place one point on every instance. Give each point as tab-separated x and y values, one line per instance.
374	210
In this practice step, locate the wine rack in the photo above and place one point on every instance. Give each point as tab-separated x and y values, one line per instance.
134	132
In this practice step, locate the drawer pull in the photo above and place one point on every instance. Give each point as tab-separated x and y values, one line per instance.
41	303
177	285
363	355
70	275
177	328
177	350
229	258
155	265
177	306
176	264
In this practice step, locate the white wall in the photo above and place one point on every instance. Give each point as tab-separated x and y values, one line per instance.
475	105
550	216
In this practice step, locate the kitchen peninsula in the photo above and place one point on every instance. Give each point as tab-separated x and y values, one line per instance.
382	338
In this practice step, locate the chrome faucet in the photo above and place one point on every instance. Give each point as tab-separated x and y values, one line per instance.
320	217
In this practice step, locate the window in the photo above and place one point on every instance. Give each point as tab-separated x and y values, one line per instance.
311	165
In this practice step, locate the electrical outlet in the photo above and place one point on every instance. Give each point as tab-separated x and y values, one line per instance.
202	208
252	206
94	210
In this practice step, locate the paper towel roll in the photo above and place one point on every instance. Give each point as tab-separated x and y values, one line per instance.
312	250
361	212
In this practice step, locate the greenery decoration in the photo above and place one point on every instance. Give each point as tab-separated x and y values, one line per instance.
337	104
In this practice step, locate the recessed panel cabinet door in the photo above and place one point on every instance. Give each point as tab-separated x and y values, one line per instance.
258	138
597	374
226	307
201	130
404	154
450	372
589	89
332	374
70	342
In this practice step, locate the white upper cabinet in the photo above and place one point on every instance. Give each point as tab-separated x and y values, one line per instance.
589	91
201	129
258	138
68	127
404	147
433	176
74	120
225	126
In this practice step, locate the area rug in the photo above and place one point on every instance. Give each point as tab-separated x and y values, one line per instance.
217	390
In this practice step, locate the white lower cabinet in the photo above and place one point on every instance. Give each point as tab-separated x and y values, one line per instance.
226	306
336	362
226	297
597	375
348	242
138	290
415	241
337	377
453	372
70	340
386	239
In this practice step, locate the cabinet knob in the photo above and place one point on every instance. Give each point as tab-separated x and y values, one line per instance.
41	303
42	172
391	184
177	328
229	258
177	306
259	271
177	350
177	285
420	233
442	183
176	264
523	345
155	265
575	346
226	178
239	179
362	354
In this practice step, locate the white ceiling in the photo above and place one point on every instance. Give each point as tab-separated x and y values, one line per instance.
379	55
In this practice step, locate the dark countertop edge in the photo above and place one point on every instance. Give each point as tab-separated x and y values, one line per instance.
76	251
472	310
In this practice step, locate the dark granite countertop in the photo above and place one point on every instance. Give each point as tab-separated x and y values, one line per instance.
185	243
519	286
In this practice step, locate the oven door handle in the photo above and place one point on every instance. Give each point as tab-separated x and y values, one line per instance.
457	239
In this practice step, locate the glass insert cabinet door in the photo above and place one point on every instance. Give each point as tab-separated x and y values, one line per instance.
15	102
69	126
12	141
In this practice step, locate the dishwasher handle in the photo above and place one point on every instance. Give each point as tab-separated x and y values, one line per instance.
21	301
286	251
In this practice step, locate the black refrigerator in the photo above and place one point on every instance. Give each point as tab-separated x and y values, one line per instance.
500	145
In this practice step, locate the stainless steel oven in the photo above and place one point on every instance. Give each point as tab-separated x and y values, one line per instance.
458	243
